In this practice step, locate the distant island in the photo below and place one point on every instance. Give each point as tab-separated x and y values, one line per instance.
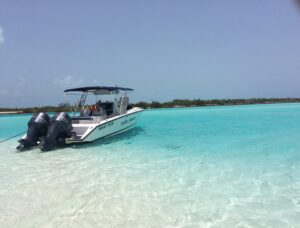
176	103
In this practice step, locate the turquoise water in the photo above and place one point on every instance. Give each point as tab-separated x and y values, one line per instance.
234	166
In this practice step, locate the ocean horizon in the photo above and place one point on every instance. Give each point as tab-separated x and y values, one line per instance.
217	166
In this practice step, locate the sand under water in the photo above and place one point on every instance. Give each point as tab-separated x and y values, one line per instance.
235	166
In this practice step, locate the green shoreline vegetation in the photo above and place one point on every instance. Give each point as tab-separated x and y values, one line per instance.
176	103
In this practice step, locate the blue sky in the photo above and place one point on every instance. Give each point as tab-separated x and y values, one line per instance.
163	49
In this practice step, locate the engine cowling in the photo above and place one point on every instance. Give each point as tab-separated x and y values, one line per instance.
37	128
59	129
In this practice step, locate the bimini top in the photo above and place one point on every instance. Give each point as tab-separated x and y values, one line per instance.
96	89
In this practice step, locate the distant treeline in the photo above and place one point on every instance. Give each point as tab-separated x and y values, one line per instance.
36	109
215	102
63	107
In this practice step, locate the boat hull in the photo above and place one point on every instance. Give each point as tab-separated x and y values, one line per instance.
109	127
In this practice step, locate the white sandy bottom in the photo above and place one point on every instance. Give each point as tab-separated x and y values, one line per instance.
112	186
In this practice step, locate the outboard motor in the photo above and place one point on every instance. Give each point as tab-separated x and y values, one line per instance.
60	128
37	127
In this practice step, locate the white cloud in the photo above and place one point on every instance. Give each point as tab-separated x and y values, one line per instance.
69	81
2	39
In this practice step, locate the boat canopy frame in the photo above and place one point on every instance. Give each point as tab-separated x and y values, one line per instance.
95	90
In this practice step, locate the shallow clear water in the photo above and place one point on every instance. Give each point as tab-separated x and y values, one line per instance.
235	166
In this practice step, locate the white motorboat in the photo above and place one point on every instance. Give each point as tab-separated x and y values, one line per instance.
103	118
